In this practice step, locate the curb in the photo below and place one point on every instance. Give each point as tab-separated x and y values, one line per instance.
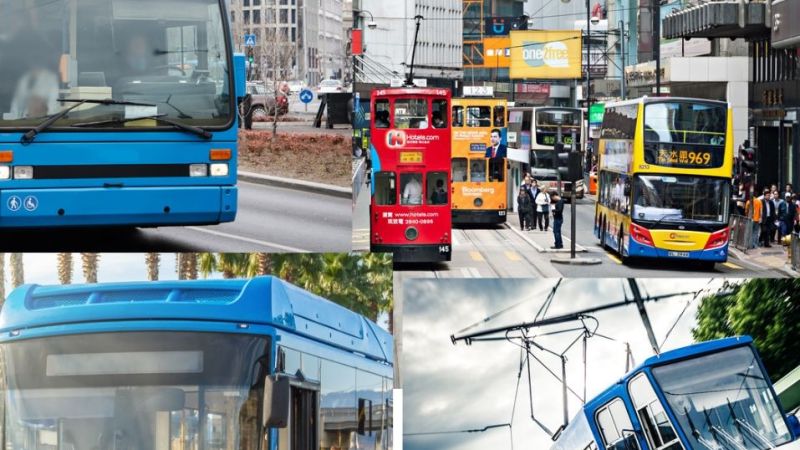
297	185
741	256
540	249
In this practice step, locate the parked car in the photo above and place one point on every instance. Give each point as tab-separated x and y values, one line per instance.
330	86
264	103
295	86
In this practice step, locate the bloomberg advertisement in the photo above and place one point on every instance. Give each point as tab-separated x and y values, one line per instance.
545	54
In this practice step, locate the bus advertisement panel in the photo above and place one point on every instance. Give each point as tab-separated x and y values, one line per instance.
113	116
479	180
664	179
410	151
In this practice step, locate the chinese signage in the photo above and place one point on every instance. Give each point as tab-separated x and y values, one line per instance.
700	158
596	113
545	54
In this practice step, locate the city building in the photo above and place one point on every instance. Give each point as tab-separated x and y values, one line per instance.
312	30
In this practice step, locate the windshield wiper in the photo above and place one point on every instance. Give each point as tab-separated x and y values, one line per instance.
665	216
28	137
158	117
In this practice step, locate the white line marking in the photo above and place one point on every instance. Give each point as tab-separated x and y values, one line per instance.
465	272
252	241
474	272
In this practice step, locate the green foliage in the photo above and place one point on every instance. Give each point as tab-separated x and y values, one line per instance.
359	282
766	309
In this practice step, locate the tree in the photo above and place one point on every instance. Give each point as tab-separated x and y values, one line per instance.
152	261
89	265
64	263
17	270
767	310
277	57
2	278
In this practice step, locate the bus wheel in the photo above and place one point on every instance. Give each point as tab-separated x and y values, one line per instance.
706	266
620	247
603	232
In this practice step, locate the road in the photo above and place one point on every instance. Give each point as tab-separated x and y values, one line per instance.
270	219
504	251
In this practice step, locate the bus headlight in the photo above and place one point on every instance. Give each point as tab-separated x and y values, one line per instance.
412	233
219	170
198	170
5	172
23	172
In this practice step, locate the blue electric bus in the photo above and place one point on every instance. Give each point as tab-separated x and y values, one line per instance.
117	112
219	364
710	396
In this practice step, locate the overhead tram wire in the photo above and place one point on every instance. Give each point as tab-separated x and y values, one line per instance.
469	430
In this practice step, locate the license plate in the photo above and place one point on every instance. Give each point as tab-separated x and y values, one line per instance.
411	157
501	213
678	254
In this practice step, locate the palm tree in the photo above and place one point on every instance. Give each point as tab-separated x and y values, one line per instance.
89	264
152	261
64	263
179	265
2	278
232	265
190	262
17	271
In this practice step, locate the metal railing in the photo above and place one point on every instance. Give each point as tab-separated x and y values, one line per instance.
794	252
741	232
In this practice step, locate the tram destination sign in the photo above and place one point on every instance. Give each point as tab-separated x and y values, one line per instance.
701	158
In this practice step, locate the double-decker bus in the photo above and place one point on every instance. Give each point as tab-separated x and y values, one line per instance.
117	112
212	364
410	152
664	179
537	129
479	183
709	396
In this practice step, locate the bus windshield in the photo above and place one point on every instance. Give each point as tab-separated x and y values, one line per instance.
548	121
723	400
685	122
171	54
679	198
133	390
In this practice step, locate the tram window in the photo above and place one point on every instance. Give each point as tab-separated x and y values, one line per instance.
459	169
616	427
499	116
411	188
439	113
385	190
411	113
437	188
496	169
479	116
381	113
291	361
657	427
338	405
477	170
458	116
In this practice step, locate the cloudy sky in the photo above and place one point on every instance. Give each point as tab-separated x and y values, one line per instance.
456	387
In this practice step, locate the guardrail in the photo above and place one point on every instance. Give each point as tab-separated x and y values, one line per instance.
794	252
359	172
741	232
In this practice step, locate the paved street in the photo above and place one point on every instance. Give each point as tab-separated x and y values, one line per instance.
270	219
504	251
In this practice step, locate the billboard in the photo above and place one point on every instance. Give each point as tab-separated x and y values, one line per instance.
496	52
546	54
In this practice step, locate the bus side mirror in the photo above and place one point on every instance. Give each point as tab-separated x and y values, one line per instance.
276	402
794	424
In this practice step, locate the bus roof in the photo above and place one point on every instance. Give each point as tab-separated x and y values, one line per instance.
391	92
262	300
647	99
669	357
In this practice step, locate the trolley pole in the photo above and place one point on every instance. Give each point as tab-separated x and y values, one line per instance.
410	79
572	207
559	140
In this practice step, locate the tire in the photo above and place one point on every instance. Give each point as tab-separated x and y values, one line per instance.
620	247
259	111
706	266
603	232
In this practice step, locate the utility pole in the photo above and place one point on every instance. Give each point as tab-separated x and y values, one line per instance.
589	54
656	8
410	79
622	52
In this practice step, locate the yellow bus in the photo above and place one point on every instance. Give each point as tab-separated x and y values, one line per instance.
479	183
664	179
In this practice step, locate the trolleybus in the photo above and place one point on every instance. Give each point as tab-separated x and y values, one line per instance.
117	112
664	179
707	396
410	147
479	183
213	364
537	129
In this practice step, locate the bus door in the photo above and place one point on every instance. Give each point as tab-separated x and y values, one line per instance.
301	434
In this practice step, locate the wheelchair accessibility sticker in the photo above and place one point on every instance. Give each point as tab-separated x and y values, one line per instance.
14	203
31	203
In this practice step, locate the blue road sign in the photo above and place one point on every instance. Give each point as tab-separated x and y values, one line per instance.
306	96
249	40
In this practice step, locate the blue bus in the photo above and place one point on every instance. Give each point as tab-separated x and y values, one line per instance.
710	396
117	113
212	364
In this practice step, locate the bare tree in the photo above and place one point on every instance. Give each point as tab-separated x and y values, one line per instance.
276	56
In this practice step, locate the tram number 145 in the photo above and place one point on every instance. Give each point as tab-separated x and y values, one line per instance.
444	249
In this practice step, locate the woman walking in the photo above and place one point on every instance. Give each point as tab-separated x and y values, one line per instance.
543	209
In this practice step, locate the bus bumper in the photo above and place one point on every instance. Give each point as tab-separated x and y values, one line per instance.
415	253
719	254
134	206
462	216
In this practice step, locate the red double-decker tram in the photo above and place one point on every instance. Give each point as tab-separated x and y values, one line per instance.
410	146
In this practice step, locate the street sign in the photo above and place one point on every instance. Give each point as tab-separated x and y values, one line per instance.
249	40
306	96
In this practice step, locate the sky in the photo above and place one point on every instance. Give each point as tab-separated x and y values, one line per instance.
450	387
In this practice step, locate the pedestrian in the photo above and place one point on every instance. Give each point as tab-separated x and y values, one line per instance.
533	190
767	217
791	214
558	220
788	190
753	207
781	211
796	204
524	208
543	209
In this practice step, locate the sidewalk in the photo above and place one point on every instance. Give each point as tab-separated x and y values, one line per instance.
542	240
772	258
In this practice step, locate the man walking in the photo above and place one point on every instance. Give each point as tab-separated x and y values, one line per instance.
767	217
558	220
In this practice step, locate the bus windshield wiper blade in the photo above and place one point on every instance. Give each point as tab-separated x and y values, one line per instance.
158	117
680	216
28	137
